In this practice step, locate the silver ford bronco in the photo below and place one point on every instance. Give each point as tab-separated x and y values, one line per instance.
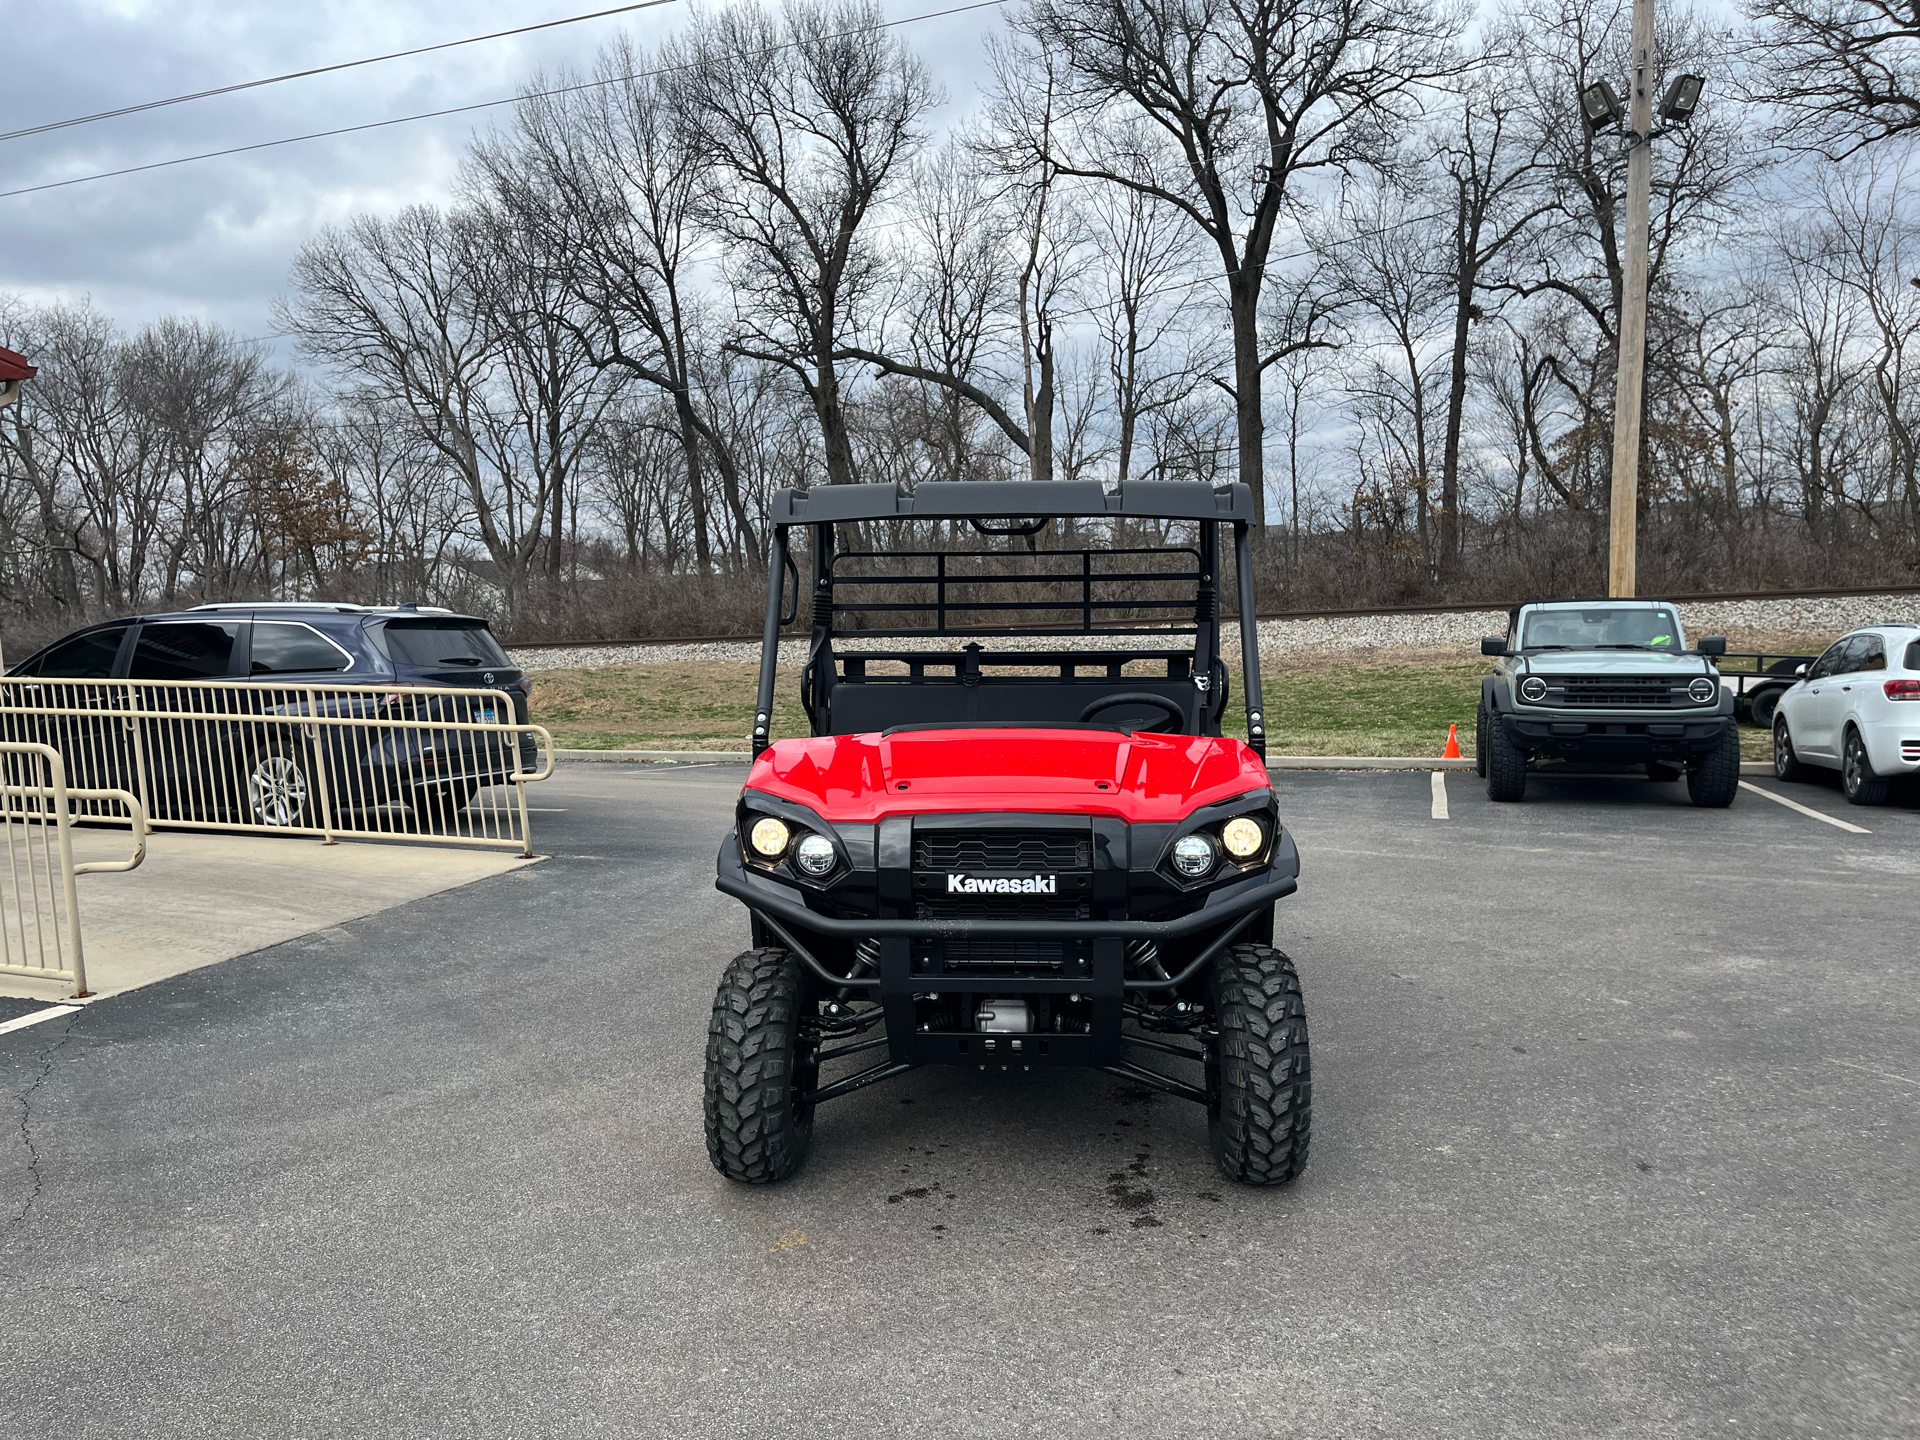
1606	683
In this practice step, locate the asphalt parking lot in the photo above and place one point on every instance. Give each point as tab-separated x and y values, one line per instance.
1618	1119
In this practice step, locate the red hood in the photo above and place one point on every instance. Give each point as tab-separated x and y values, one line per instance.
1137	777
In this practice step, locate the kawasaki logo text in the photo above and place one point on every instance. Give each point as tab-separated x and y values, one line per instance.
974	885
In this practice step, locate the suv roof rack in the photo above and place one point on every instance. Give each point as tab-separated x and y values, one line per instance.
281	605
338	606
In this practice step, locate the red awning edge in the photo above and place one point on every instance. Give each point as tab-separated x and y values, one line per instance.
14	366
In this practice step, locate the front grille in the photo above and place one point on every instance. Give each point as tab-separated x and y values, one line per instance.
1008	954
1615	692
1002	850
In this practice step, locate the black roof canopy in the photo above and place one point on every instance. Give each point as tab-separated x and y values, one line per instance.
1008	499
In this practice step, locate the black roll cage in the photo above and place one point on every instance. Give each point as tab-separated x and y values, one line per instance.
842	696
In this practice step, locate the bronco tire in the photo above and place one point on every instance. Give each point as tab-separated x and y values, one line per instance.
1506	764
759	1070
1857	779
1713	779
1259	1075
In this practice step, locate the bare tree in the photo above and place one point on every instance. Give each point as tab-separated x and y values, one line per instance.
1845	74
448	317
1486	169
803	126
603	178
1246	101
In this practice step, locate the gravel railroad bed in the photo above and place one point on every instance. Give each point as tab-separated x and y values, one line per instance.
1831	614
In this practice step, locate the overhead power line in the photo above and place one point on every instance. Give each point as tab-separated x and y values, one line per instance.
464	109
320	70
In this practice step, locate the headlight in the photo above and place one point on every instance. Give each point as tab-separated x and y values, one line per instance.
1533	689
1193	855
1242	837
769	837
1702	690
814	854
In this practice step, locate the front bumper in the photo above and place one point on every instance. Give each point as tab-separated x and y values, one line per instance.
1616	739
909	969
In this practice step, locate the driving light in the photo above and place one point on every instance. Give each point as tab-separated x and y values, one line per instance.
1533	688
1242	837
1702	691
1193	855
769	837
814	854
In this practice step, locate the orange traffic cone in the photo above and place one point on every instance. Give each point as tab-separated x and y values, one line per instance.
1452	752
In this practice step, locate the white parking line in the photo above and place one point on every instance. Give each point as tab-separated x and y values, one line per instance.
34	1017
1805	810
1440	811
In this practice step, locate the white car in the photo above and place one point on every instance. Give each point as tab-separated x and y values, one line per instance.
1856	710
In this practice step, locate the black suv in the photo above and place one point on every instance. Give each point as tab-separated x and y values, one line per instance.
408	648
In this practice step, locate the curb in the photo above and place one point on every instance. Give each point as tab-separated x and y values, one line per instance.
1364	762
655	757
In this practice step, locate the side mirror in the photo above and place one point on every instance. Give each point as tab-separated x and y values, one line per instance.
1493	645
1713	645
1801	670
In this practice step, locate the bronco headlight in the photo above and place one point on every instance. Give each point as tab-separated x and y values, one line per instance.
1242	837
1533	689
815	854
1702	691
1193	856
769	837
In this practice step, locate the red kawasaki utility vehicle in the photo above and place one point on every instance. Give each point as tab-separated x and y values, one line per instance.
1016	837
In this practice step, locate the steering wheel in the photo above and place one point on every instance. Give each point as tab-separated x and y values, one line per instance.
1176	717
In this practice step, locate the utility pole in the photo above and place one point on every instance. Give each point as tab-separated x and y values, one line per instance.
1631	366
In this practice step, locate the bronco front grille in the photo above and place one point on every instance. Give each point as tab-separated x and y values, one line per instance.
1000	850
1614	692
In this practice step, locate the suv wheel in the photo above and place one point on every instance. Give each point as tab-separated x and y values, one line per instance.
1713	779
277	786
759	1070
1763	706
1506	770
1786	763
1857	779
1259	1075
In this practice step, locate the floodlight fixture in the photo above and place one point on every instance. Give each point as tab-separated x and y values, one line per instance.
1683	94
1601	107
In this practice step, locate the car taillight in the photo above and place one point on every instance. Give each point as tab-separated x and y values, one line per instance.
1903	689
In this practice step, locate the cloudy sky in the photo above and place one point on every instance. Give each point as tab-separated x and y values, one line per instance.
214	238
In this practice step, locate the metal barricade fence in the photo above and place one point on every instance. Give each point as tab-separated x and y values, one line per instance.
419	762
39	905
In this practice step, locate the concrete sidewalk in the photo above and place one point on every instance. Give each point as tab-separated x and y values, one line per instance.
203	898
